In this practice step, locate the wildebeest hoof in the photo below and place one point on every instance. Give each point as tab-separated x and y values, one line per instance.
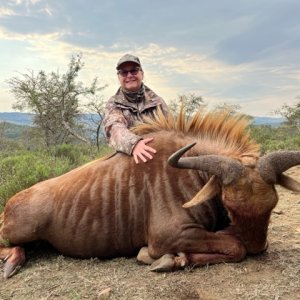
13	262
10	269
164	264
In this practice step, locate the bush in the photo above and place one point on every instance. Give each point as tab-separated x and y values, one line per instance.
22	170
9	145
69	152
276	138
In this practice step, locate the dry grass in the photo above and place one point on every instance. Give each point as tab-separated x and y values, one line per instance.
273	275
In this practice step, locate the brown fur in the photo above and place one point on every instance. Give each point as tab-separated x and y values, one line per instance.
112	206
220	129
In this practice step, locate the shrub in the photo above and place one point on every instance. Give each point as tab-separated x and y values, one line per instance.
24	169
276	138
69	152
21	169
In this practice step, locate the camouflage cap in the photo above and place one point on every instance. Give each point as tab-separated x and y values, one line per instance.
128	58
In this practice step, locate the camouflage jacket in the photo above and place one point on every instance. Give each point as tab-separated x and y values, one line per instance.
121	114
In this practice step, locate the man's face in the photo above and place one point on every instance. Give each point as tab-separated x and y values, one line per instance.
132	80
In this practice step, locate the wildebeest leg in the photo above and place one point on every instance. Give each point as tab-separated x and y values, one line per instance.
226	249
13	257
209	248
166	262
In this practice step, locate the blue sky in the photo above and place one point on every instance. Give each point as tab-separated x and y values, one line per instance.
238	52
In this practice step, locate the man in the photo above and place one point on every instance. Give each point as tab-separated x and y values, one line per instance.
132	101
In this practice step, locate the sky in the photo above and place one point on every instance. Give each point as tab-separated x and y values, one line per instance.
244	53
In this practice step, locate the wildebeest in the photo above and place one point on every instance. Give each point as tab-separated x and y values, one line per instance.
113	207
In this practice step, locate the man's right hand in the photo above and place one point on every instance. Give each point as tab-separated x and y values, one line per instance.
142	151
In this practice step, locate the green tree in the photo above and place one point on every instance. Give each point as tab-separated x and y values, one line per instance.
232	108
54	100
190	102
291	113
97	109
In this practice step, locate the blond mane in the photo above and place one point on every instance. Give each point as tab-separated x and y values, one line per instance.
224	129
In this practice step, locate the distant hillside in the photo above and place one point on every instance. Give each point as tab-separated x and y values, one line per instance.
16	118
11	130
26	119
268	121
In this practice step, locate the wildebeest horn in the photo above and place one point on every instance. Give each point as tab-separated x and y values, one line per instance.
225	168
272	165
210	189
173	159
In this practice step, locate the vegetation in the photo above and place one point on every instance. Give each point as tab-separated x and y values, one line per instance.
21	168
10	130
276	138
291	114
54	100
284	137
190	102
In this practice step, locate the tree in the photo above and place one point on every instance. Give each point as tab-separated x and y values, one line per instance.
291	114
54	100
190	102
232	108
97	108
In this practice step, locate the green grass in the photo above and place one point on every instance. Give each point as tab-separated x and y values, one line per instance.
22	168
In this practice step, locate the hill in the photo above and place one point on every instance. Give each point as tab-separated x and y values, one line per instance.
272	121
16	118
11	130
26	119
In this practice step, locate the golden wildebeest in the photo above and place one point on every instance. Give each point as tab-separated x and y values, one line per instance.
114	207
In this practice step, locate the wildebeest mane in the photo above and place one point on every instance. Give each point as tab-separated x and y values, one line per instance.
226	131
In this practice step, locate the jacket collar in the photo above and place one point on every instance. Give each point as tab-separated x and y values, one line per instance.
151	99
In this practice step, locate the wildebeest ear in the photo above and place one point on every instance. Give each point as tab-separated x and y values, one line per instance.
210	189
289	183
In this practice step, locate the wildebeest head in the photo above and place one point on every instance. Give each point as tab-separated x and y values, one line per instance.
247	190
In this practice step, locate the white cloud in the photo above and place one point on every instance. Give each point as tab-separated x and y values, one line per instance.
47	10
180	57
4	12
170	72
29	37
26	2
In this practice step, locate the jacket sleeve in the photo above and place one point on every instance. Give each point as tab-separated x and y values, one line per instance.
116	130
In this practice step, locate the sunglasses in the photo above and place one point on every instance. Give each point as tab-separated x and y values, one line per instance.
124	73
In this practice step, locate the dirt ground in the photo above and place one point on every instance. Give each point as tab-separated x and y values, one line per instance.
272	275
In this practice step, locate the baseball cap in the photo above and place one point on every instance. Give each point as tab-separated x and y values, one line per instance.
128	58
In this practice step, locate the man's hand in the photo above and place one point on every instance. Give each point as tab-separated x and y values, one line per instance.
142	151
